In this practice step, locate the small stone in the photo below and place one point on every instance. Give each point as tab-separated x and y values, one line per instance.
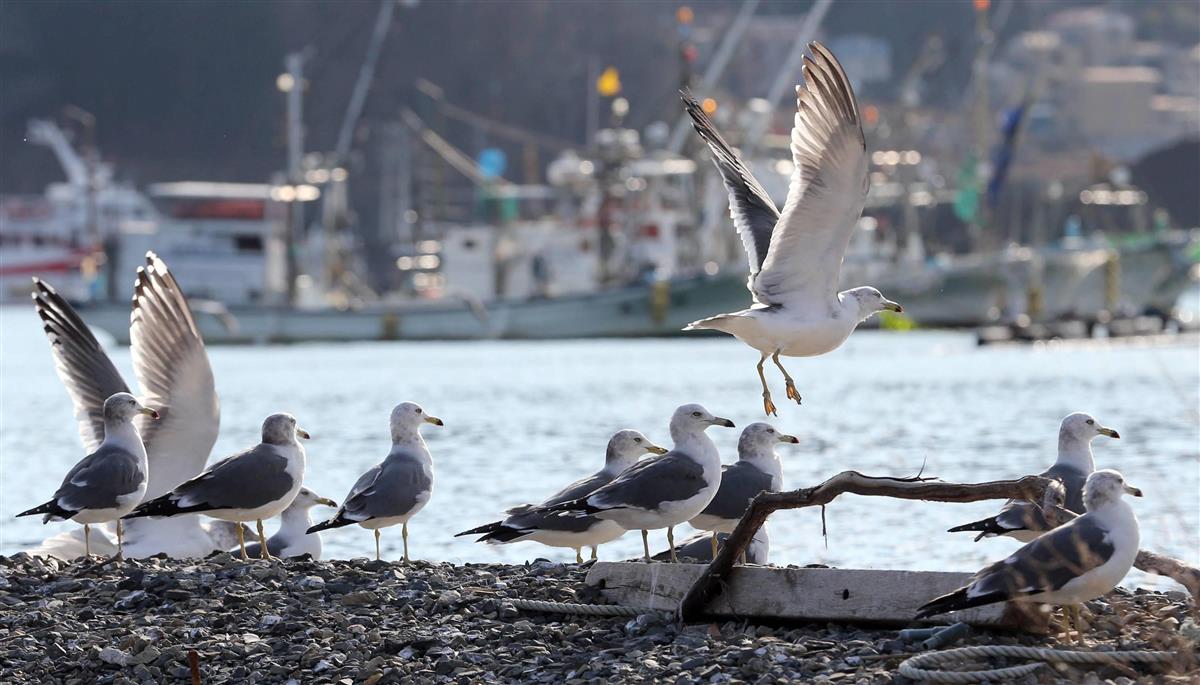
114	656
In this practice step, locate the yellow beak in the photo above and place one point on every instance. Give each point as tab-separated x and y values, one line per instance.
148	412
655	449
434	420
327	502
303	433
1109	432
1133	491
789	438
893	306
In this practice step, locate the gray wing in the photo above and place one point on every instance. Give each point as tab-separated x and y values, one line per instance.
650	482
699	547
392	488
1047	563
1072	480
576	490
99	478
246	480
537	519
754	213
82	365
740	482
172	367
275	546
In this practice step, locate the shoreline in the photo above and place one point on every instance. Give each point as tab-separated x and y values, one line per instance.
375	622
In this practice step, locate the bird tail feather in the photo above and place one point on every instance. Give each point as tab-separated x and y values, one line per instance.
485	528
988	527
51	511
335	522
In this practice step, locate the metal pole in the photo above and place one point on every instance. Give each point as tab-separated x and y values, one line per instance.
294	62
716	67
593	103
786	78
362	86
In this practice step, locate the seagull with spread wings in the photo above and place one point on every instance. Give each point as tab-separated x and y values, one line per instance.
796	256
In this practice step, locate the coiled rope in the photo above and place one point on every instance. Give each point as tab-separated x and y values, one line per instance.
924	667
582	609
921	667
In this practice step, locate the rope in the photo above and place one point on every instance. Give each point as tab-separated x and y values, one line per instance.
583	609
920	667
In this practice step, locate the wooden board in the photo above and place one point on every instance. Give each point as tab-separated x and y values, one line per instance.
808	594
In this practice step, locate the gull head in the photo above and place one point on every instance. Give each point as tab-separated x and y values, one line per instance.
407	417
308	499
693	418
871	301
1084	427
625	447
1106	486
759	439
281	429
123	407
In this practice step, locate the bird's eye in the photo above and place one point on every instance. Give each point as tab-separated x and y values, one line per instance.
770	430
637	439
696	414
1091	422
418	410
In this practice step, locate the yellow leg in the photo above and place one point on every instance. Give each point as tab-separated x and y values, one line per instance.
593	552
404	533
87	541
578	556
714	545
242	541
646	544
262	540
120	540
768	405
792	393
377	544
671	543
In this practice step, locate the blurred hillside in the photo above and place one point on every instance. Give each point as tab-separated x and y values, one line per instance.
187	89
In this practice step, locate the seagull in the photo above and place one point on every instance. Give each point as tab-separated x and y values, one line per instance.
698	547
252	485
1074	563
560	529
171	366
796	256
291	540
757	469
106	484
1026	520
395	489
661	491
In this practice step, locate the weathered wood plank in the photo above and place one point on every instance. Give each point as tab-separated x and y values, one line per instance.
808	594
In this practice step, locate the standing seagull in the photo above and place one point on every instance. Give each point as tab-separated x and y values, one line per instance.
561	529
1074	563
291	540
171	367
108	483
1025	520
662	491
395	489
251	485
757	469
795	257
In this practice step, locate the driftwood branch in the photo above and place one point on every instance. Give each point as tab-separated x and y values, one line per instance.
1032	488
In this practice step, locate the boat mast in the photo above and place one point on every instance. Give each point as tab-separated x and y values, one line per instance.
294	63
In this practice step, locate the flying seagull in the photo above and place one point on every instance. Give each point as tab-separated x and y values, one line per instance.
756	470
561	529
1026	520
252	485
291	540
796	256
108	483
1076	562
172	369
395	489
661	491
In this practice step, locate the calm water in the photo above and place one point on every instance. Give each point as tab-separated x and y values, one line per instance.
522	418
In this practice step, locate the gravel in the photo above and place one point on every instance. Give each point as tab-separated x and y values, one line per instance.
376	623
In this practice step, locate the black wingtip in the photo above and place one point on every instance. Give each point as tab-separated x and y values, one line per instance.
485	528
335	522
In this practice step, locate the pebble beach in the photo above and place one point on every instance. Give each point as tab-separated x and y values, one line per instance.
371	622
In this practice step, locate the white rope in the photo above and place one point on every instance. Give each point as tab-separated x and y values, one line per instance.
922	666
583	609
